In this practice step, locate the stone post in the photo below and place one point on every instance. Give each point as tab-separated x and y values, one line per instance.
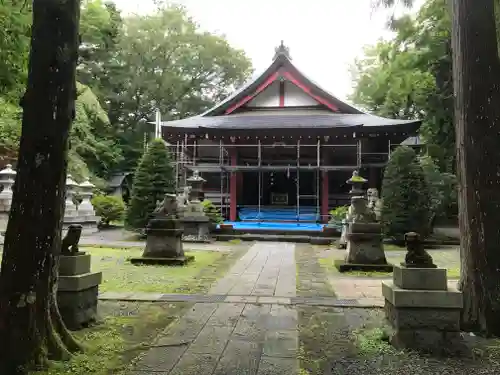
78	287
423	311
85	208
71	186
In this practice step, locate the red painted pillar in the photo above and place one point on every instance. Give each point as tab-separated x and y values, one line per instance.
233	187
324	196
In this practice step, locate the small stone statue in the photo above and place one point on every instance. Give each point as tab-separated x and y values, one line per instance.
416	256
71	239
183	199
374	202
360	212
167	207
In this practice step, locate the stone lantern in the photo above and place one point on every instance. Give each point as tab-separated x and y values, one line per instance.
86	190
71	186
356	182
7	179
196	222
196	183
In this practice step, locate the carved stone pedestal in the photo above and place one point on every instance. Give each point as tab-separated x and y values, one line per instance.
163	243
365	250
78	290
196	229
423	312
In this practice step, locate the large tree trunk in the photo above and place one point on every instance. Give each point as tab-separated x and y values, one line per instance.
31	329
476	77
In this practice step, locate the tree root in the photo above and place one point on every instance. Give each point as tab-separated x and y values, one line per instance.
66	337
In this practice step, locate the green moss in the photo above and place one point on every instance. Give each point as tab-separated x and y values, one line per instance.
119	275
111	345
372	342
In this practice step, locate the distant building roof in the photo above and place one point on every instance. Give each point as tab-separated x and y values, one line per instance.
330	112
117	179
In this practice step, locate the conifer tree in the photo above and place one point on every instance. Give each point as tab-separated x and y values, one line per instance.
153	178
405	195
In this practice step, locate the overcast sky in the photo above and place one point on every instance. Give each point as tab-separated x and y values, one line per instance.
324	36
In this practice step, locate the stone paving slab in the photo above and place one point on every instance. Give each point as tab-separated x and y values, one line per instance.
267	269
346	300
253	333
364	289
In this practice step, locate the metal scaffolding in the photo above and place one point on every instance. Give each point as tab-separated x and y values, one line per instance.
188	156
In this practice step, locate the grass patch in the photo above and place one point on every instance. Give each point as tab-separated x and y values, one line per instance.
392	247
372	342
113	344
196	277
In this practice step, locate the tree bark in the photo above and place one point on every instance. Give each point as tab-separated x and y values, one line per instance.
31	329
476	71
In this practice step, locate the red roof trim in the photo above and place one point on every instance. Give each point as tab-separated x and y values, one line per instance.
307	90
247	98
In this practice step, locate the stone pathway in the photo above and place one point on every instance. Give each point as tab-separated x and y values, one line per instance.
239	336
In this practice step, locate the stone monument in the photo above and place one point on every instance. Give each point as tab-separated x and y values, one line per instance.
374	202
365	249
78	287
163	236
423	311
356	182
196	222
84	214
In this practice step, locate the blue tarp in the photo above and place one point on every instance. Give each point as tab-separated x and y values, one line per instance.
278	214
273	226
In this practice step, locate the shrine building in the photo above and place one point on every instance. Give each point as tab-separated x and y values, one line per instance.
281	148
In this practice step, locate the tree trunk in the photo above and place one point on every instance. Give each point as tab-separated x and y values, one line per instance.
31	329
476	77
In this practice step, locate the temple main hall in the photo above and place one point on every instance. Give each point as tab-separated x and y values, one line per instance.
281	148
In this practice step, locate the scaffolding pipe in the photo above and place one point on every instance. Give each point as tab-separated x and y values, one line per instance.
194	152
259	155
318	173
297	181
177	167
358	154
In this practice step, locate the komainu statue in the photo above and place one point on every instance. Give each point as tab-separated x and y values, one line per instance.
71	239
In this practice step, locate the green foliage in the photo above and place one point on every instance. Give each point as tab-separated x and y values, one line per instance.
373	342
212	212
126	70
442	189
15	24
405	194
338	214
109	208
153	178
10	126
93	147
411	77
164	61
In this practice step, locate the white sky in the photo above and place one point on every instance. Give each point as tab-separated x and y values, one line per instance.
324	36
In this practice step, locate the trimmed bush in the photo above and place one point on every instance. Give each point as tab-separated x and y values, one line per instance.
442	189
338	214
212	212
109	208
405	194
153	178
